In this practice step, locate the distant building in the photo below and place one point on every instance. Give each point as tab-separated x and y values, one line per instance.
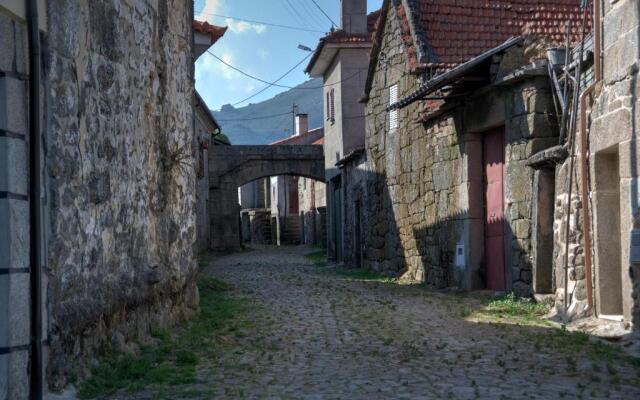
285	209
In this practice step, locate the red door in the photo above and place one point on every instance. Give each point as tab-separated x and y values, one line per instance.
493	149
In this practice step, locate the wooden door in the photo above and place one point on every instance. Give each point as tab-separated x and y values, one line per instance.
493	152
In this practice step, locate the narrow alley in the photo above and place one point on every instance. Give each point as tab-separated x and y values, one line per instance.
323	332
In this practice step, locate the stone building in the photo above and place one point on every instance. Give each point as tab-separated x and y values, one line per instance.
603	264
285	209
112	226
457	99
341	59
296	207
206	133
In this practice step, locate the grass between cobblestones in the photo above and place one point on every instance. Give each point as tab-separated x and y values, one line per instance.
175	356
511	309
319	259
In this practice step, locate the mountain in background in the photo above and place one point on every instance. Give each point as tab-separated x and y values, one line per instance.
308	98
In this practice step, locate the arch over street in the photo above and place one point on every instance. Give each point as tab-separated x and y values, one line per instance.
234	166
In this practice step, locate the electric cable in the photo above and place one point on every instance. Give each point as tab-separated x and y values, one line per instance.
325	14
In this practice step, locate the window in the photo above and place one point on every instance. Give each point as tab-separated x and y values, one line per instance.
393	114
332	107
328	113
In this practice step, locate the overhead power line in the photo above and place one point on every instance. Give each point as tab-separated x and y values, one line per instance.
325	14
254	118
298	28
275	83
245	73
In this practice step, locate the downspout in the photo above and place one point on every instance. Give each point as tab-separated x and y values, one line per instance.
35	218
584	143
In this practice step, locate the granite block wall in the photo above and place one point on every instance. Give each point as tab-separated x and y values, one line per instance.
121	176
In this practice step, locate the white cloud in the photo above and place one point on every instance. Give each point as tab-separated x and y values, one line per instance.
210	7
242	26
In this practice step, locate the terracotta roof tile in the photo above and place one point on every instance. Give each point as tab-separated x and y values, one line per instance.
298	139
216	32
450	32
340	36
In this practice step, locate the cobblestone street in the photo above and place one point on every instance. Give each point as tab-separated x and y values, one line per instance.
320	334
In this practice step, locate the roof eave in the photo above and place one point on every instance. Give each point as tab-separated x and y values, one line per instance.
452	75
325	53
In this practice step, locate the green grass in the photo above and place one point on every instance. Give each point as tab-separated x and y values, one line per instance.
511	308
318	258
174	358
361	274
596	350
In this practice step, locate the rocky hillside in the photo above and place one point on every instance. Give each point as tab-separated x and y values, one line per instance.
244	125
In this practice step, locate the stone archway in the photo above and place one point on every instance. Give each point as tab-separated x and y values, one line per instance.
233	166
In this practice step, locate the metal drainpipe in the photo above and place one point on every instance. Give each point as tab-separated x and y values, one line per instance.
35	217
584	143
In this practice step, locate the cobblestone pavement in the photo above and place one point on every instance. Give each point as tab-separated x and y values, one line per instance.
323	336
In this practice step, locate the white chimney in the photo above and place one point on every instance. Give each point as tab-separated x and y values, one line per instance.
353	16
302	124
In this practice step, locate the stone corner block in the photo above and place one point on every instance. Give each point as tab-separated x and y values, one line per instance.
14	234
14	309
14	375
13	105
13	166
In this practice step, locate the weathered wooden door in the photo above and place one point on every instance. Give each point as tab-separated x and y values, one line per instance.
493	149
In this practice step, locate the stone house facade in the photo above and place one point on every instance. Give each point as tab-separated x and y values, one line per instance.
604	271
206	129
449	132
341	59
206	133
117	203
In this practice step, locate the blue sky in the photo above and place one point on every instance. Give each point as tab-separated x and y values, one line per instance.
260	50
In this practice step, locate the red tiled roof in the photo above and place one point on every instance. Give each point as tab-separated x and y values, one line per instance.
298	139
449	32
340	36
216	32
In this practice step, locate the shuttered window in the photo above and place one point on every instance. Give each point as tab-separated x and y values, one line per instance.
328	113
332	107
393	114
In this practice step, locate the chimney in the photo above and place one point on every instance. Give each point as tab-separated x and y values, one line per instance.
353	16
302	124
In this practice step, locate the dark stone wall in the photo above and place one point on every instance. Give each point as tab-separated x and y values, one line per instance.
121	174
426	188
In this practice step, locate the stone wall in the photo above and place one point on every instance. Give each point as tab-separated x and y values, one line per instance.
201	141
576	295
614	166
426	189
355	175
120	172
312	195
234	166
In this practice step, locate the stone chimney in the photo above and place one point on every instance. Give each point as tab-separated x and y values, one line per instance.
353	16
302	124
